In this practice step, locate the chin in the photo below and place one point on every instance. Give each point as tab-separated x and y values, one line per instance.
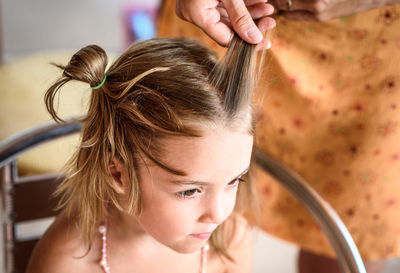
187	248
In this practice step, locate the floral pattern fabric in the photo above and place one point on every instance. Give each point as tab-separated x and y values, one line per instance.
329	107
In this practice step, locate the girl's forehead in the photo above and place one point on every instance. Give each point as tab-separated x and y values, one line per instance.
216	155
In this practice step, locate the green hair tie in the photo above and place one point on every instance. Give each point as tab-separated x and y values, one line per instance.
101	84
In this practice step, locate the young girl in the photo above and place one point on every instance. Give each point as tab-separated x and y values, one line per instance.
166	144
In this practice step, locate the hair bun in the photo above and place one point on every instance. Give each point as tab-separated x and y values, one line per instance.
87	65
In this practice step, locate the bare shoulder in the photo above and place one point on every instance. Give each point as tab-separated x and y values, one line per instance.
241	246
61	250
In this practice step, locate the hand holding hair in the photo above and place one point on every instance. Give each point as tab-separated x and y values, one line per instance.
220	19
323	10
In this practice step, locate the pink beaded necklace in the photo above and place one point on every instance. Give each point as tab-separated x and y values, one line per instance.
106	268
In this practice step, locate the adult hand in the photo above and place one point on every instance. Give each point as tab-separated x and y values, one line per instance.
322	10
221	18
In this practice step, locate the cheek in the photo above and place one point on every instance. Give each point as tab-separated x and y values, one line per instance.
164	215
231	202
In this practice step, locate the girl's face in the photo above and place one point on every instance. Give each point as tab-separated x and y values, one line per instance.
181	212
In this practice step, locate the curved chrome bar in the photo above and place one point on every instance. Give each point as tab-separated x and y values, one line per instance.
347	253
342	242
15	145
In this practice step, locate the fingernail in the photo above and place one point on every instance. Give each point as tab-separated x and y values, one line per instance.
255	35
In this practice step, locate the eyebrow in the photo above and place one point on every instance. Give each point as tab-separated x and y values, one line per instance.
201	183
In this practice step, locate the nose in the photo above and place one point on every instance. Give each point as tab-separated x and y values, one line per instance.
217	208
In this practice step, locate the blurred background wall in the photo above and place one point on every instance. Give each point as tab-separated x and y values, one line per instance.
42	25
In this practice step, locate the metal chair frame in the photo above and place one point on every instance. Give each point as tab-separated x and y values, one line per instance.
326	217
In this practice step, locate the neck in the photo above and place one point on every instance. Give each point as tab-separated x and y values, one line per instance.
133	241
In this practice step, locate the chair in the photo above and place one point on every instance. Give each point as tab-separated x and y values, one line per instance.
26	198
29	198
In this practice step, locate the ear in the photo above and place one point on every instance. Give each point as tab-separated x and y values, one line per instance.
119	174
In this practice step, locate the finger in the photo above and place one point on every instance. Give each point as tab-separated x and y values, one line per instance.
242	22
265	44
220	32
226	21
256	11
260	10
208	18
253	2
223	12
265	24
246	2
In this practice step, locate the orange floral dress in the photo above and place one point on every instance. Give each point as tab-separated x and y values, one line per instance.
329	107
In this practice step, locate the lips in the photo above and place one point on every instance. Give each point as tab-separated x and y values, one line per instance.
205	235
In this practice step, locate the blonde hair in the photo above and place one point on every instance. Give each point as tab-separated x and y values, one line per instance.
156	88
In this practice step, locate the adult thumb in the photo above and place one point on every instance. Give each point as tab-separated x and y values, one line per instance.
242	22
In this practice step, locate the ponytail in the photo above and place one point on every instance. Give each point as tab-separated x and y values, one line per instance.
87	65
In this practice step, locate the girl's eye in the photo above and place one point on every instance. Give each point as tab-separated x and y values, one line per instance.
236	182
189	193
